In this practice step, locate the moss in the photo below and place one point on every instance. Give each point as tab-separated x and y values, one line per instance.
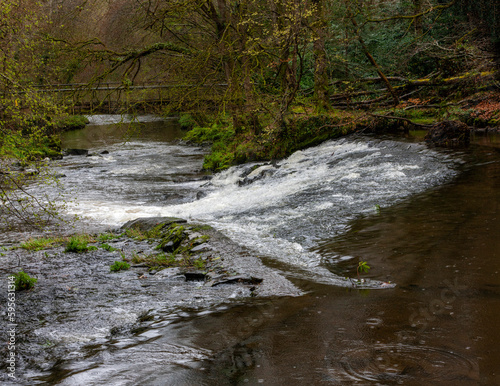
214	133
169	260
425	121
108	247
70	122
107	236
298	131
30	147
173	238
218	159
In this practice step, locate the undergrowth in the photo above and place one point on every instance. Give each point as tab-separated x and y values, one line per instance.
79	244
298	131
23	281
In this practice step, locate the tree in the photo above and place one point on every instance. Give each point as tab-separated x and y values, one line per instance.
25	113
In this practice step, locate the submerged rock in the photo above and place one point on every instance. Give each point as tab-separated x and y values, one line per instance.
256	174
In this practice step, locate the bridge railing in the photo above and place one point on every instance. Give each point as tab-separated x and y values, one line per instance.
115	97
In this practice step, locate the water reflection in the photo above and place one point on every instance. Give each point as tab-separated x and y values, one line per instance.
101	133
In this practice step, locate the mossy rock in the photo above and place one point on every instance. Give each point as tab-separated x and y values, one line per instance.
71	122
146	224
173	238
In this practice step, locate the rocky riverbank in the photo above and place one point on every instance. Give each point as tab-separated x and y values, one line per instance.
78	301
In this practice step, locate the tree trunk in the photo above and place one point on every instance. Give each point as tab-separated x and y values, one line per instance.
320	65
374	63
417	7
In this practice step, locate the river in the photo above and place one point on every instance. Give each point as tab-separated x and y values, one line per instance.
424	220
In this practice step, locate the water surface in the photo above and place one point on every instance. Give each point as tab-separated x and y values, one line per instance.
424	219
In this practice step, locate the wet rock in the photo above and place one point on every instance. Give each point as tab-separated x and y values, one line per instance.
240	279
147	223
263	171
448	134
201	248
173	238
173	196
84	152
169	246
194	235
104	152
200	195
77	310
31	172
170	273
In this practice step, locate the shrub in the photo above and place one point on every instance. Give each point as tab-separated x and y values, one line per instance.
119	266
71	122
79	244
107	236
186	121
107	247
23	281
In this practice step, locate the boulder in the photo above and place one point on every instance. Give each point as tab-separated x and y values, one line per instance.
448	134
84	152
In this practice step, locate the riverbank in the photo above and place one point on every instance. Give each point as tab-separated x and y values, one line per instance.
304	127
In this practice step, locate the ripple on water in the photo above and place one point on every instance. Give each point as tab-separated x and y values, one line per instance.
405	364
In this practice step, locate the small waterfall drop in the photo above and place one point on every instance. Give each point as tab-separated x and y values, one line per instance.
280	209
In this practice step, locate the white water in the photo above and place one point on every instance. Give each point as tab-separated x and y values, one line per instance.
287	209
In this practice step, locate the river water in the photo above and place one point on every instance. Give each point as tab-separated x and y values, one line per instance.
423	219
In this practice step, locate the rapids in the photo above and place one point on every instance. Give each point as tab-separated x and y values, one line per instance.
425	219
282	210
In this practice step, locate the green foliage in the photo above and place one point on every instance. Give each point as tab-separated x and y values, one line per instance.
214	133
140	235
119	266
363	267
40	243
175	234
169	260
219	159
136	233
108	247
26	126
70	122
162	260
102	237
298	132
186	121
79	244
23	281
199	264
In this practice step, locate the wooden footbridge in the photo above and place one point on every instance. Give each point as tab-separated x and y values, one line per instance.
117	97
